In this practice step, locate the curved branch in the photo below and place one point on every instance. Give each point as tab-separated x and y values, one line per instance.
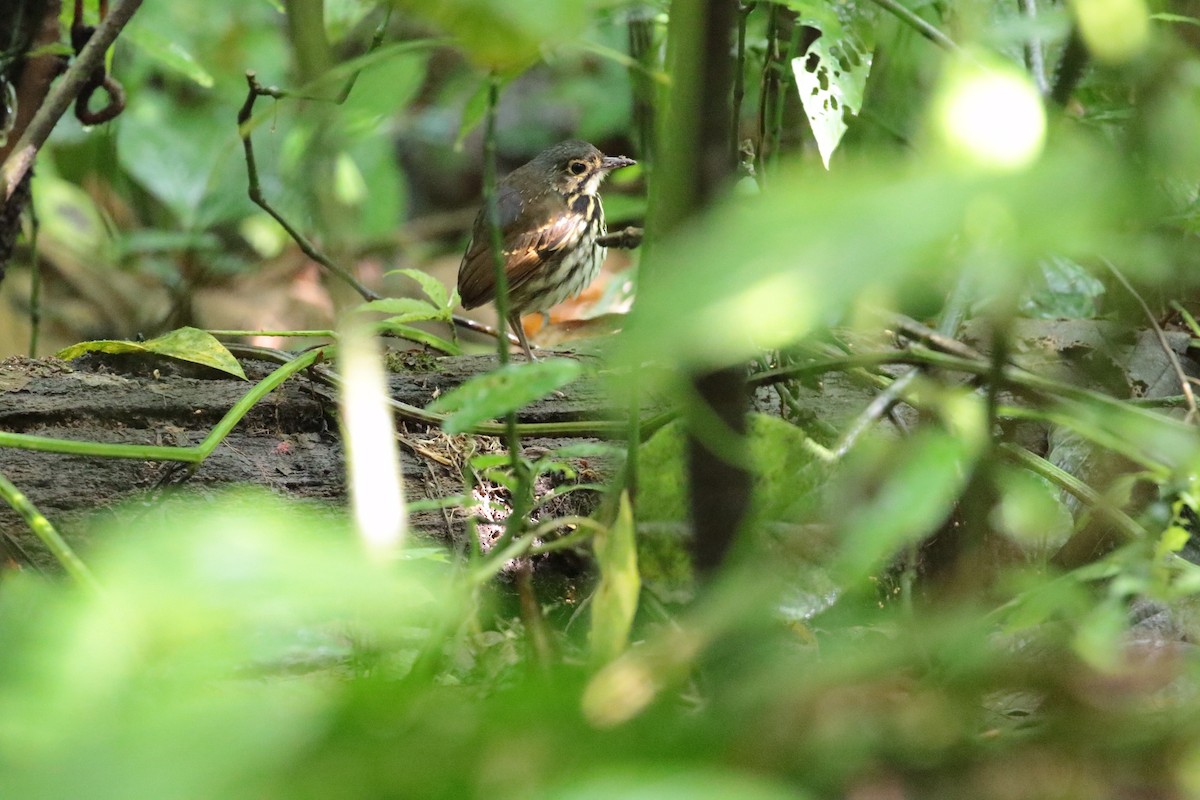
62	95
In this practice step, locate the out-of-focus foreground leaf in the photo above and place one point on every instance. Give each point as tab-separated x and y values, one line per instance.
762	271
156	687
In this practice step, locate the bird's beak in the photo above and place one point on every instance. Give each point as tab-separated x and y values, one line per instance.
609	163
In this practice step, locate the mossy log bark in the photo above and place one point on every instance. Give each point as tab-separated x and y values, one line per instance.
288	443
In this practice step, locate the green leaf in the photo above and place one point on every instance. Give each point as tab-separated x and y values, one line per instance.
1098	640
185	344
616	599
502	35
500	391
176	152
421	337
406	309
474	112
167	52
760	272
1062	289
917	495
675	782
430	285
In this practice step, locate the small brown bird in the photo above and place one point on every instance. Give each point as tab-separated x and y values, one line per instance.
550	218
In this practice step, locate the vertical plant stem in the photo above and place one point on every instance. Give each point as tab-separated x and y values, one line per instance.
696	164
739	79
512	438
1071	66
766	90
35	282
493	213
641	41
779	102
641	50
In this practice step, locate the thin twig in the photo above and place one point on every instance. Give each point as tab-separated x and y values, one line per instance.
77	76
1184	383
998	358
35	281
768	89
1086	495
521	497
919	25
468	324
941	339
1019	379
624	239
936	340
254	189
879	406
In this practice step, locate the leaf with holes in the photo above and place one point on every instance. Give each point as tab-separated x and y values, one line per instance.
832	73
831	79
185	344
500	391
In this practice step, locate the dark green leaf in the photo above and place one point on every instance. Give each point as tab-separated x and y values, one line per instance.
918	494
500	391
421	337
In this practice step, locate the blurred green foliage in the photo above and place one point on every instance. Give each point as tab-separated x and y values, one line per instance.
244	646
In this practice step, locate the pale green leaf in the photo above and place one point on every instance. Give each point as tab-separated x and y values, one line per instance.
409	309
421	337
430	285
616	599
185	344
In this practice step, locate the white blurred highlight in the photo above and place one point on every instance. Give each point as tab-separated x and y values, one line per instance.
990	115
372	462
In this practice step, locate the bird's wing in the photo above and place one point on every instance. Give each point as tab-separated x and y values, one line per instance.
527	246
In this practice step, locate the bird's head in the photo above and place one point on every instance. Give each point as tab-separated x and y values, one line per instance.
576	167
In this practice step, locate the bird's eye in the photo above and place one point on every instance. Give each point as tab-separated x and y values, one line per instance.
577	167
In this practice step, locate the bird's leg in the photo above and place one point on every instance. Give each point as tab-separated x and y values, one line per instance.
515	321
